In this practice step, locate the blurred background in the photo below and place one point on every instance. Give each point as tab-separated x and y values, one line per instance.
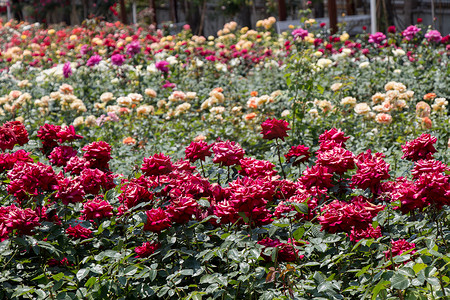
207	17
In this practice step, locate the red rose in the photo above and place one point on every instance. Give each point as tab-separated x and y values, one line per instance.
67	134
275	129
7	138
198	150
96	209
227	153
79	232
157	220
19	130
297	155
182	209
146	249
98	154
420	148
61	155
156	165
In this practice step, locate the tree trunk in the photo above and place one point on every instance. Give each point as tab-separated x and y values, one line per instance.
153	19
173	11
123	12
282	10
245	16
350	7
332	13
192	15
202	19
74	18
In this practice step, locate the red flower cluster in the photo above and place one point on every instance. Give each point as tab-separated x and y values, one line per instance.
79	232
96	209
8	160
339	216
16	218
428	166
399	247
156	165
337	160
285	207
70	191
75	165
372	169
136	191
12	133
335	135
198	150
368	233
316	178
298	154
30	179
420	148
93	180
182	209
227	153
248	196
255	168
433	189
98	154
61	155
146	249
274	129
286	251
50	135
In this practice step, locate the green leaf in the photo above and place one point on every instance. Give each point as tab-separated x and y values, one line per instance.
399	282
432	280
298	233
130	270
90	282
320	89
187	272
301	207
245	267
81	274
378	288
324	286
418	267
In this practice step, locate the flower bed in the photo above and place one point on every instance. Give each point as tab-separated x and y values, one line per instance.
222	224
136	164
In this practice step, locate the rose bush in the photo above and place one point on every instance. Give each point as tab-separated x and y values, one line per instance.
166	230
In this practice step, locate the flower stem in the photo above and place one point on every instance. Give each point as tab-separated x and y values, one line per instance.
279	159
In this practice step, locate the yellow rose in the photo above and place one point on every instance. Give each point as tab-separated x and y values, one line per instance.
345	36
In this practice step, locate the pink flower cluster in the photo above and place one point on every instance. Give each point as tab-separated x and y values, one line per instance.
410	32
